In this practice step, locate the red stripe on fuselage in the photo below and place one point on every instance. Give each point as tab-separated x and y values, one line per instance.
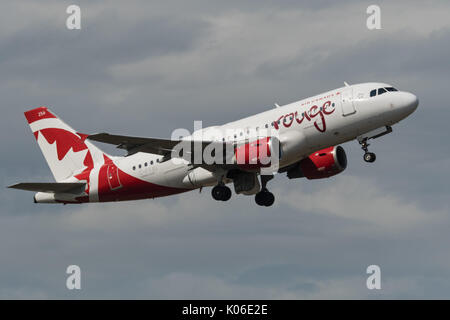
131	188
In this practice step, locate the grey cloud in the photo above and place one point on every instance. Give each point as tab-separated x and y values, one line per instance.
74	56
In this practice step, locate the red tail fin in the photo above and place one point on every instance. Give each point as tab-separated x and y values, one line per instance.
67	152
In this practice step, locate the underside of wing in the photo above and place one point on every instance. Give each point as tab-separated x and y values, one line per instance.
55	187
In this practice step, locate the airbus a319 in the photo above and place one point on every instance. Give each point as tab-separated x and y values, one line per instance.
300	139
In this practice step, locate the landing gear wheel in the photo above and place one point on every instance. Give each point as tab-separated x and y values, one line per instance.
270	199
264	198
369	157
216	193
221	193
259	198
226	193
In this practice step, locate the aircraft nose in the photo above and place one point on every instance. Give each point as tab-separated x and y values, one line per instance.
409	101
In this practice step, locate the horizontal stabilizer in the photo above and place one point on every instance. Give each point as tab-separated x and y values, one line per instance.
55	187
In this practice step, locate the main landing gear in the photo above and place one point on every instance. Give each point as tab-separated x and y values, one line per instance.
221	192
368	156
265	197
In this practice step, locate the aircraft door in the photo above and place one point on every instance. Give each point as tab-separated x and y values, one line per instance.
113	177
347	104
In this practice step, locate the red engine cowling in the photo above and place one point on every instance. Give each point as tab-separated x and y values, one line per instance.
256	154
324	163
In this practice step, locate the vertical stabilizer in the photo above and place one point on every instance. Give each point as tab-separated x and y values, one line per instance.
66	151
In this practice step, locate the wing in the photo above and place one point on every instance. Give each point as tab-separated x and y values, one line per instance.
56	187
136	144
162	147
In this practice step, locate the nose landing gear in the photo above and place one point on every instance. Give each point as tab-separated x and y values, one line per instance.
368	156
265	197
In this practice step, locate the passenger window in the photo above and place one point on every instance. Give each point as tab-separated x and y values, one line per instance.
381	91
140	166
134	167
145	164
373	93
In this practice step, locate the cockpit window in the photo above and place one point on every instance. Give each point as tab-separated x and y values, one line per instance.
373	93
381	91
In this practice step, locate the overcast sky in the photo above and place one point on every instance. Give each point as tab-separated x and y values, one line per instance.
148	67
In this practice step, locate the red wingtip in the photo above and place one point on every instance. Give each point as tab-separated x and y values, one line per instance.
38	114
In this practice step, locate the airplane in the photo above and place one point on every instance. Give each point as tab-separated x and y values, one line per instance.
301	138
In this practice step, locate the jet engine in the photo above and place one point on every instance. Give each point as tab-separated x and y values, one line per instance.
320	164
257	154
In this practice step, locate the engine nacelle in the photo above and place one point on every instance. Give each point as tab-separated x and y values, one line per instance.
257	154
321	164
